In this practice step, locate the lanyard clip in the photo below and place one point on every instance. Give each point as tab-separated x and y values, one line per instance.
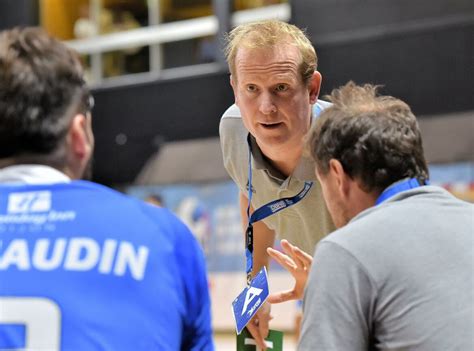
249	252
249	238
249	278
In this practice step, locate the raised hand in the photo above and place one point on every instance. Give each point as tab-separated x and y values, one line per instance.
298	263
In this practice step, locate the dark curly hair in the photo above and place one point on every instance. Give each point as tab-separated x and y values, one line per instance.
41	88
376	138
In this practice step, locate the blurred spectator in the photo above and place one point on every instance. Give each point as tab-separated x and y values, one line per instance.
155	199
110	21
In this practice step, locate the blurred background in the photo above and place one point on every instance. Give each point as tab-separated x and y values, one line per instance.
160	84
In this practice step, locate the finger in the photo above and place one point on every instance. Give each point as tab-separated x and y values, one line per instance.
255	332
282	259
263	326
293	252
295	249
282	296
288	248
303	256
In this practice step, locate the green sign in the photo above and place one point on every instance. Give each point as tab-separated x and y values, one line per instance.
274	341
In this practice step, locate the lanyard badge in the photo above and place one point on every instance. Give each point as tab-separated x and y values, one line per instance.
250	300
254	295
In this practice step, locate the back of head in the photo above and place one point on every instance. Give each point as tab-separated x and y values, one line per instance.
376	138
41	88
269	33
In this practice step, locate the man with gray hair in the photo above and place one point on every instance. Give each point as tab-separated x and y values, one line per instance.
397	274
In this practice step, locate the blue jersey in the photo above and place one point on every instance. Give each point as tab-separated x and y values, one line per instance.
83	267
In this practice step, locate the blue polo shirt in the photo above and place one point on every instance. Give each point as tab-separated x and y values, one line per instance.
83	267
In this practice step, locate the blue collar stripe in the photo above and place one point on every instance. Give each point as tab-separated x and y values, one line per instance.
249	184
407	184
318	109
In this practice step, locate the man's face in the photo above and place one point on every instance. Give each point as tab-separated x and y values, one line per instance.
335	202
274	102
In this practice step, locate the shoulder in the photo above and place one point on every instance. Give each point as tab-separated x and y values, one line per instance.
410	217
232	112
361	237
233	138
365	229
108	199
125	207
167	222
231	126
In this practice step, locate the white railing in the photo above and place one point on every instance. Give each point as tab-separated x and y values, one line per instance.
166	33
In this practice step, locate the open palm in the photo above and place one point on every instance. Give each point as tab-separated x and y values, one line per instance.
298	263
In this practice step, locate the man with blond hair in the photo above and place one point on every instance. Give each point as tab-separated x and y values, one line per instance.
397	274
276	87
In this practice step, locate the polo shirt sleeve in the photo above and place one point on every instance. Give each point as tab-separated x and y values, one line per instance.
338	303
233	138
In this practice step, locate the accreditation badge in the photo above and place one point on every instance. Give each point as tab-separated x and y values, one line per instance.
250	300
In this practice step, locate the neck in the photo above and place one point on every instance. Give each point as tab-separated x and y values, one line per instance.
284	159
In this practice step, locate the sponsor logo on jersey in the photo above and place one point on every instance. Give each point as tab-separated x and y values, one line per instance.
33	207
27	202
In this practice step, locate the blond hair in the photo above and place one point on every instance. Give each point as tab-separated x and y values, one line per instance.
269	33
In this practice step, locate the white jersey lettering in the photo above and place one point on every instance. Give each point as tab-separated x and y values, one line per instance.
16	254
40	254
75	254
128	257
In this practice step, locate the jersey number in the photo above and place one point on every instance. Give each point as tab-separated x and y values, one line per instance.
41	317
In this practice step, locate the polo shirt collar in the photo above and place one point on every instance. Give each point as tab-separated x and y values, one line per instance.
304	170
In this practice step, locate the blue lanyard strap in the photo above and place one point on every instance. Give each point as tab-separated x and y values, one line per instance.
398	188
264	211
250	189
278	205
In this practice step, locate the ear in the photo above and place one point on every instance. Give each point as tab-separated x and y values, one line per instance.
233	84
79	136
340	177
80	142
314	87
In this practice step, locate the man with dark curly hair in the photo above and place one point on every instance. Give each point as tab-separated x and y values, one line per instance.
82	267
397	274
